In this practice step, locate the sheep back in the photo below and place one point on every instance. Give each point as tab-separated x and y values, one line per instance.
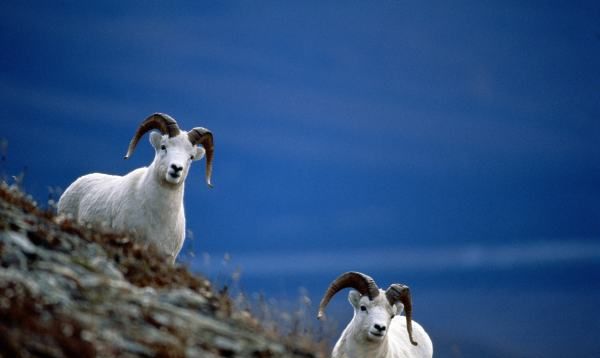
399	342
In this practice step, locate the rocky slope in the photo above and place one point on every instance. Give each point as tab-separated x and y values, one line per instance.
67	291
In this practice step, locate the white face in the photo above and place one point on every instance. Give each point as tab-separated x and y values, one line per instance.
372	317
174	157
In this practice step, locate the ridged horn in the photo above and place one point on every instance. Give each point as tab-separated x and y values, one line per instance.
364	284
401	293
163	122
203	136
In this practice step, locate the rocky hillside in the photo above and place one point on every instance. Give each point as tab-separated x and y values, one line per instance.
67	291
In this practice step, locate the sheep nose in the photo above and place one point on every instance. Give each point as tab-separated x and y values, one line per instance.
176	168
379	328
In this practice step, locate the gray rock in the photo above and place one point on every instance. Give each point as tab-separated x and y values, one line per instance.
69	291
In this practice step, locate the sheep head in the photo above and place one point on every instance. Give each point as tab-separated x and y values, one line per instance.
175	149
374	308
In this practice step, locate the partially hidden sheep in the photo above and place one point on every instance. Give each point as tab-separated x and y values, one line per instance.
377	330
147	202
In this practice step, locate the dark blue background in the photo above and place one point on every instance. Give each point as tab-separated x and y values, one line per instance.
452	146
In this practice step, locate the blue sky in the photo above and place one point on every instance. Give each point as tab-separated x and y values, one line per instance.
452	146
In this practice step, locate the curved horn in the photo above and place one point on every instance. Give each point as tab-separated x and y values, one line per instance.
401	293
163	122
364	284
204	137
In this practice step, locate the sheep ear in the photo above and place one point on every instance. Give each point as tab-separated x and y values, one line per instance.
399	307
199	153
354	298
155	139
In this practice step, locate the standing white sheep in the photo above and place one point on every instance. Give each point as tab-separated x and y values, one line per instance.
148	201
377	329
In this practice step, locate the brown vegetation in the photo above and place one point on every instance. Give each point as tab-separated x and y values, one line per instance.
67	290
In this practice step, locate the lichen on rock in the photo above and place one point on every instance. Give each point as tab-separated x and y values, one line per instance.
70	291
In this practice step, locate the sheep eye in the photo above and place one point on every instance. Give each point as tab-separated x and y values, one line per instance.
191	157
163	147
363	308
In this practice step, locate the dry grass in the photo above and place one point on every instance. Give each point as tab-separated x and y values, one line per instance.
140	264
293	320
290	323
26	327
